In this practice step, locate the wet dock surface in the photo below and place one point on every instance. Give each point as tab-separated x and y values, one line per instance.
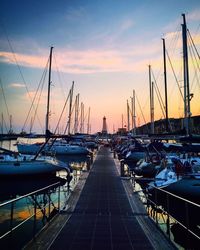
103	217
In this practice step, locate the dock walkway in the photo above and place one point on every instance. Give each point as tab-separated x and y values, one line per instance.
103	217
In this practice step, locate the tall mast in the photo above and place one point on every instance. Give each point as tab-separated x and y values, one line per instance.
128	117
165	82
70	107
82	118
151	101
152	108
187	113
134	116
88	124
76	114
2	123
48	94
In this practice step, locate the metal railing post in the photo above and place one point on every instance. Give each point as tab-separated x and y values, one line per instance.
11	219
168	219
187	223
156	201
49	205
35	217
59	199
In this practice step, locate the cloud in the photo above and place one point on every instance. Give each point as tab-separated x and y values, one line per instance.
17	85
23	59
88	61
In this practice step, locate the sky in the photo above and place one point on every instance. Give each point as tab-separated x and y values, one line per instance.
104	46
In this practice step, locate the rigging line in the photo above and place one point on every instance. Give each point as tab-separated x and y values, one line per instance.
174	38
3	121
32	102
193	58
174	75
193	50
62	114
59	76
4	97
156	89
73	107
158	93
193	43
142	112
15	59
35	113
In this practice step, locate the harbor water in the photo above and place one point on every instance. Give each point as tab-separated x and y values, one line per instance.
41	199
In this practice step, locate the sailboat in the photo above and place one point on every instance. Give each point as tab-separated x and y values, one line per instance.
181	176
14	164
57	146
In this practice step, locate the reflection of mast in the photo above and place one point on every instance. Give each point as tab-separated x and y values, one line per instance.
187	96
48	95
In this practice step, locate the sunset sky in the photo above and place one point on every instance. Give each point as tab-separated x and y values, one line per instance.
104	46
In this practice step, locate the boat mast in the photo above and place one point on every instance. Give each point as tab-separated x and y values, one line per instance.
82	118
2	123
128	117
48	94
151	101
134	116
165	82
187	96
88	125
70	107
76	114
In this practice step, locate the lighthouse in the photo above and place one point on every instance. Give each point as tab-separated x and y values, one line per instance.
104	128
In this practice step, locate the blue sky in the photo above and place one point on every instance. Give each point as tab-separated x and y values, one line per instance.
104	46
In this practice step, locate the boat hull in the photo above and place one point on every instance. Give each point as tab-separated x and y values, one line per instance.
22	168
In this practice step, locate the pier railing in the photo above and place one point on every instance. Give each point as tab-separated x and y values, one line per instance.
174	210
41	208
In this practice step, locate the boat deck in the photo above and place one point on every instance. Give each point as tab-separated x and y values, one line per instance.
104	216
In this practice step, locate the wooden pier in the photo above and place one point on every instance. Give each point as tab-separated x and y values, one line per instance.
103	213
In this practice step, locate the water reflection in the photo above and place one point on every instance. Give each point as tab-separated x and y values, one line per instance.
35	210
32	211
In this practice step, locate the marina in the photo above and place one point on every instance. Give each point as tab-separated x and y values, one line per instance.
124	174
104	203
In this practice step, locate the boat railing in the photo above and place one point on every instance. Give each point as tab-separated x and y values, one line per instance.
38	210
159	208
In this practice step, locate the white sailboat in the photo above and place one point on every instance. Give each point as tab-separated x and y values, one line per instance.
57	146
14	164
